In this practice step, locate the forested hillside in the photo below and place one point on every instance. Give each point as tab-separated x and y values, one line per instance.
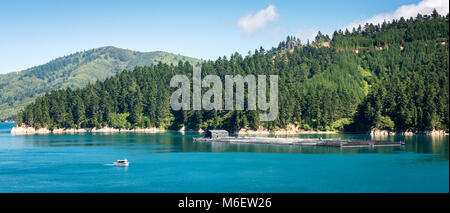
392	76
18	89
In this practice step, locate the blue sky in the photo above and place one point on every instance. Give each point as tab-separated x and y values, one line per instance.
35	32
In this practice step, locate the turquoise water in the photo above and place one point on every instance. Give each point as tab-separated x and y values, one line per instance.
171	162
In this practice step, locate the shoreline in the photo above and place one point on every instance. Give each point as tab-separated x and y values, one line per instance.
282	132
376	132
23	130
291	129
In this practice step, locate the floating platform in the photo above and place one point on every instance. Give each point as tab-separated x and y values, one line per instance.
301	141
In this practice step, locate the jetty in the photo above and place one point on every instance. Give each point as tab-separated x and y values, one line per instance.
222	136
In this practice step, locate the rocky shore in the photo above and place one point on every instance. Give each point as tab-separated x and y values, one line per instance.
376	132
291	129
294	130
22	130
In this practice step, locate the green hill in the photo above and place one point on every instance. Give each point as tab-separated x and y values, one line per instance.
18	89
392	76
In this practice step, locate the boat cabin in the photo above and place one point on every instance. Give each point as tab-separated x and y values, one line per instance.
216	134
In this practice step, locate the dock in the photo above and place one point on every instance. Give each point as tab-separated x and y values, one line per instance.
301	142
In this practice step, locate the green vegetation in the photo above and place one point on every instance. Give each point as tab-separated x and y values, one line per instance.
352	85
74	71
119	120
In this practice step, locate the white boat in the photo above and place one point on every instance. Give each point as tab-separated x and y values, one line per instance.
121	162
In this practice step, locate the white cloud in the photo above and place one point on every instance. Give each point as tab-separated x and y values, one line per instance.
253	22
406	11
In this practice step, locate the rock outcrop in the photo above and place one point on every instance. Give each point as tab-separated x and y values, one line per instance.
23	130
291	129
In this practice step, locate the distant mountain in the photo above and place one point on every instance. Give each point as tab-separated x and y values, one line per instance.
18	89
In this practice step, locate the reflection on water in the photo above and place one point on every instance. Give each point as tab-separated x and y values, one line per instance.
182	142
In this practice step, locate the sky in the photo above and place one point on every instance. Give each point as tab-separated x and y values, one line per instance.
35	32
